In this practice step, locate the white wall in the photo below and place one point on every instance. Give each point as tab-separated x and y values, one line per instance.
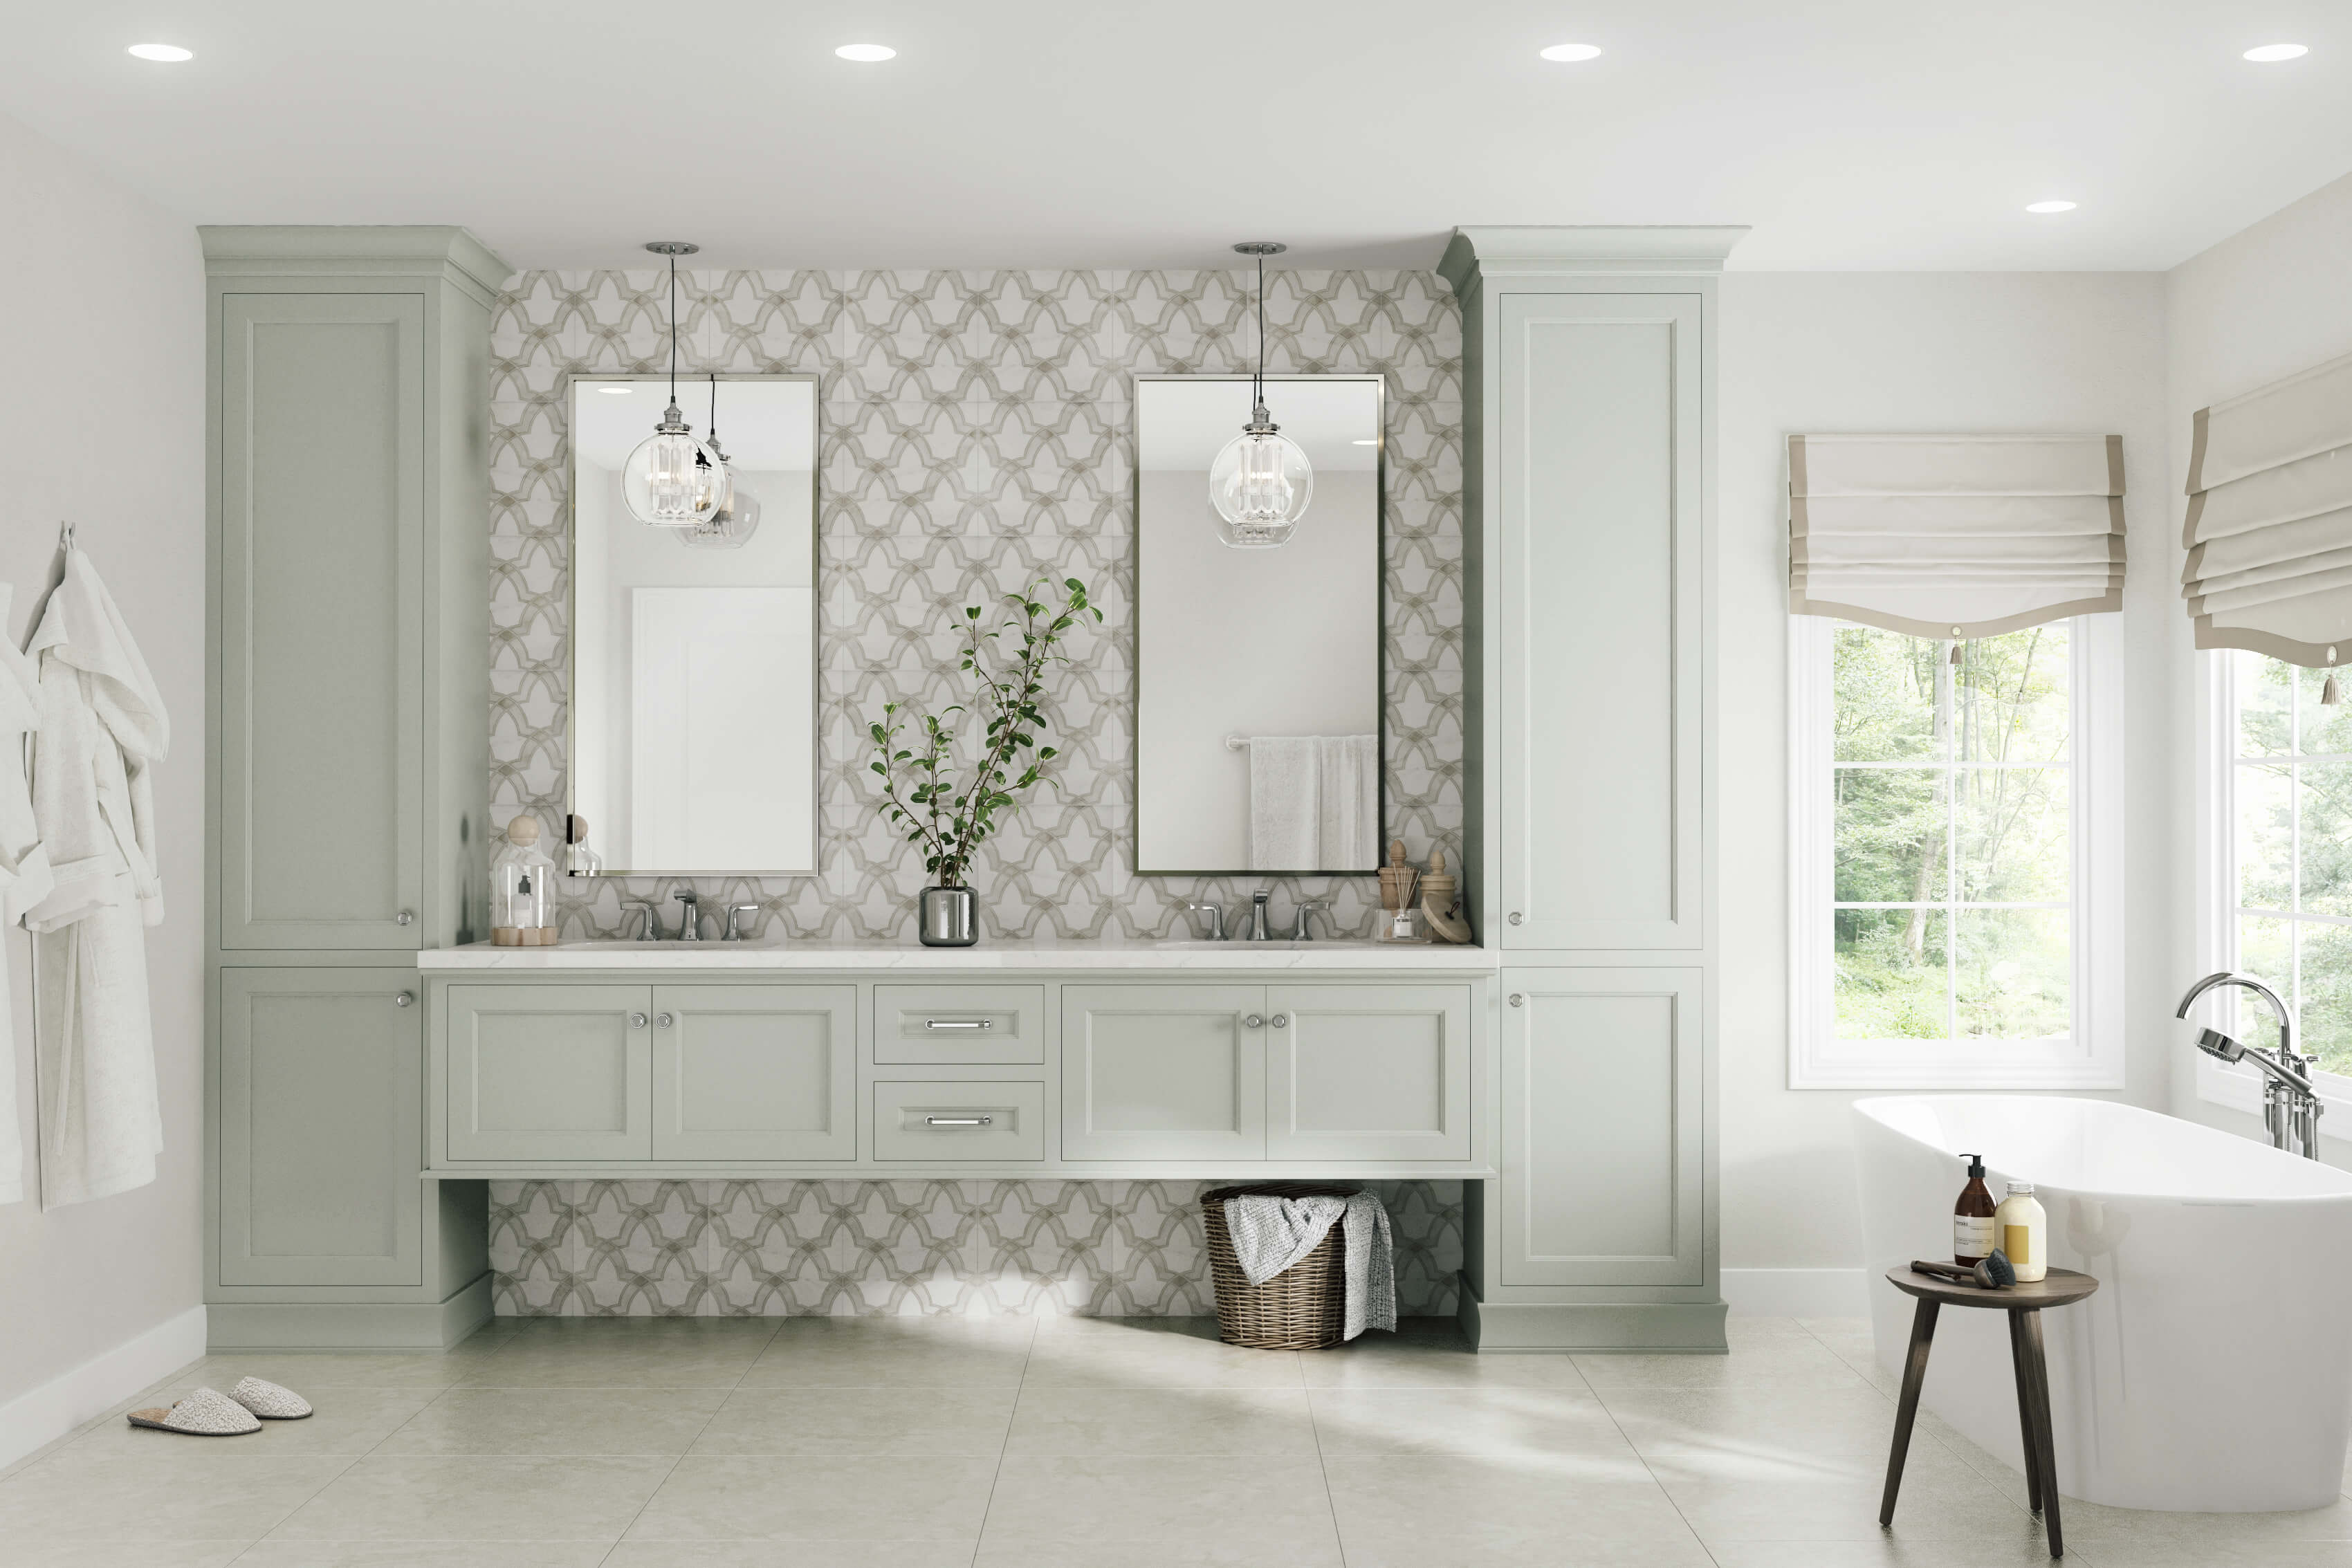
104	340
1903	352
2263	304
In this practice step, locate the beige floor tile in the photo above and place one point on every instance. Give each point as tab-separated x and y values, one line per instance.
894	1353
1488	1503
1276	1505
1419	1552
1783	1362
2208	1554
969	1422
1741	1330
1504	1421
1155	1361
819	1498
1939	1503
1210	1421
414	1497
597	1360
514	1422
791	1554
1851	1423
302	1371
1432	1361
346	1421
1892	1553
421	1554
2089	1522
135	1497
1824	1327
110	1554
998	1552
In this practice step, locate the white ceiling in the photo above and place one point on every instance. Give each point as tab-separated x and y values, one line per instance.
1851	133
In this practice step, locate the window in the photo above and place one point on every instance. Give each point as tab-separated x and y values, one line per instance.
1950	861
2286	796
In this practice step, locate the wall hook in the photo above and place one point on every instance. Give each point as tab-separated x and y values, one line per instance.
64	535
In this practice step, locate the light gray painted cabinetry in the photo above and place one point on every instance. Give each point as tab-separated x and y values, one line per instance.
551	1072
1163	1072
1357	1072
755	1073
320	1098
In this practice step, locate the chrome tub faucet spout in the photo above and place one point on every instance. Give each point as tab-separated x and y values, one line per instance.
2290	1106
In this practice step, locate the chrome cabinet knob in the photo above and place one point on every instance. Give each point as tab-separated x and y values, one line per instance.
663	1020
636	1020
1516	918
1518	998
405	917
1280	1020
1254	1021
403	999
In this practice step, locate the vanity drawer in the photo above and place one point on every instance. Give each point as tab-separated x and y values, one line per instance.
951	1122
982	1025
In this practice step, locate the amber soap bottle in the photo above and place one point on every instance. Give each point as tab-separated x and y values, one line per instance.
1973	1223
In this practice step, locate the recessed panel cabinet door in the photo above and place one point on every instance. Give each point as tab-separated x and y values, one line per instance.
320	1127
1368	1072
755	1073
1603	1120
1598	505
551	1072
321	477
1163	1072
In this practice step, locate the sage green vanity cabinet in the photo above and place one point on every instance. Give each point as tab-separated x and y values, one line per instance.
1163	1072
551	1072
320	1091
1368	1072
755	1073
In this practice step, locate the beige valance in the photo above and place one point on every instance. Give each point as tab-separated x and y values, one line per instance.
1955	536
2269	520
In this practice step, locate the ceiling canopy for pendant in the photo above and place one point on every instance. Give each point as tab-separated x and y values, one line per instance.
1261	483
672	480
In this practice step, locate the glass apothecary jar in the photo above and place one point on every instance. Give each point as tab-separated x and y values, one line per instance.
520	886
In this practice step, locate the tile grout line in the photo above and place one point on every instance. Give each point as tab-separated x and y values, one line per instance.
679	1457
1602	1400
1021	1388
1322	1461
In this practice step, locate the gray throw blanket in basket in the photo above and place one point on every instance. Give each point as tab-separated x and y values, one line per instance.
1269	1234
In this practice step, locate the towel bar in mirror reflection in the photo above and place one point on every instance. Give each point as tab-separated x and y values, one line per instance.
1259	729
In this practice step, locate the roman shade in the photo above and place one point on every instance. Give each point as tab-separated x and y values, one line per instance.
2269	520
1955	536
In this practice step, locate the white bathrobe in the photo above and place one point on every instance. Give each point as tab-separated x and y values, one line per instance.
24	872
102	731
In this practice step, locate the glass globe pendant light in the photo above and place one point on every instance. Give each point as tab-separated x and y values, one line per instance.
672	480
736	518
1261	483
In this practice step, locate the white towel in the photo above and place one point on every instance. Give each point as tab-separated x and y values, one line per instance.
102	730
24	872
1284	799
1348	802
1269	1234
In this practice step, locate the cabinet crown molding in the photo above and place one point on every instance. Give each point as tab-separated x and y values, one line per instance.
276	250
1579	248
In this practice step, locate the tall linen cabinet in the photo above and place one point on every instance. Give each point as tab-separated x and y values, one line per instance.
1589	408
349	428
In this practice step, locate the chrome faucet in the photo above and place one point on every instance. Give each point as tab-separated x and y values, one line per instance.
1258	931
1216	914
689	919
651	930
2291	1107
1298	931
734	914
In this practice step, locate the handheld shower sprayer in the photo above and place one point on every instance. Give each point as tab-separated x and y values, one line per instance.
2291	1107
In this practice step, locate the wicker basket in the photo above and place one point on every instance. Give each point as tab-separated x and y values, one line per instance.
1305	1307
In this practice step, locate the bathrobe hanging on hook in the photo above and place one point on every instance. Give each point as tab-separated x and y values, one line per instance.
24	870
102	731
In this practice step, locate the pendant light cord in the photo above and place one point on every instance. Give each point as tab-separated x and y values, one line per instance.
1257	383
673	331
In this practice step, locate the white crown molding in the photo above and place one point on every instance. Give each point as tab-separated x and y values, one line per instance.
1481	251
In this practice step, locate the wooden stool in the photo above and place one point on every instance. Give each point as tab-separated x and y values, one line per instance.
2023	1303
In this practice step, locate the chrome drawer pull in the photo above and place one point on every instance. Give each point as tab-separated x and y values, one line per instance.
403	999
959	1023
959	1121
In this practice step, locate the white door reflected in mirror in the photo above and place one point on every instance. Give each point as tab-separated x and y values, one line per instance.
693	719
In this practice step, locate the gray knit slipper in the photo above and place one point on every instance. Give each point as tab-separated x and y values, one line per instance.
270	1402
207	1413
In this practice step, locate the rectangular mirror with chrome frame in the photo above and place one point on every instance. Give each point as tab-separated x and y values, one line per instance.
1258	670
693	740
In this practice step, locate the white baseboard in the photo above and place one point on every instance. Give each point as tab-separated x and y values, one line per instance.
1796	1293
42	1416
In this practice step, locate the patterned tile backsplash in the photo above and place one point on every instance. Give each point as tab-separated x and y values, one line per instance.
979	434
774	1249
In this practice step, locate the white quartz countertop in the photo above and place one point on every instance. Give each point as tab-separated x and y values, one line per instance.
1367	956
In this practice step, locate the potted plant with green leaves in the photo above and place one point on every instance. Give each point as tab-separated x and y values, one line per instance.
950	814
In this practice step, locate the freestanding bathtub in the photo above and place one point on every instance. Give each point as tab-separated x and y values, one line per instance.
2213	1370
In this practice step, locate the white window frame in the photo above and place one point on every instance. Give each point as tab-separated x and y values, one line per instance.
2092	1056
2238	1088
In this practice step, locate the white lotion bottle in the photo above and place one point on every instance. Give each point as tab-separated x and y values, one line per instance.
2021	1230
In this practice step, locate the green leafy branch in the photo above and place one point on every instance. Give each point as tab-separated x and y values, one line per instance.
949	821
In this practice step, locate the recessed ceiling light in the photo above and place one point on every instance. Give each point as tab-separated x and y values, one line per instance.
609	389
168	52
866	54
2049	206
1572	52
2271	53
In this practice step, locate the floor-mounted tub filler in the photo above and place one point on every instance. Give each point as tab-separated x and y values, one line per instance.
2210	1373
